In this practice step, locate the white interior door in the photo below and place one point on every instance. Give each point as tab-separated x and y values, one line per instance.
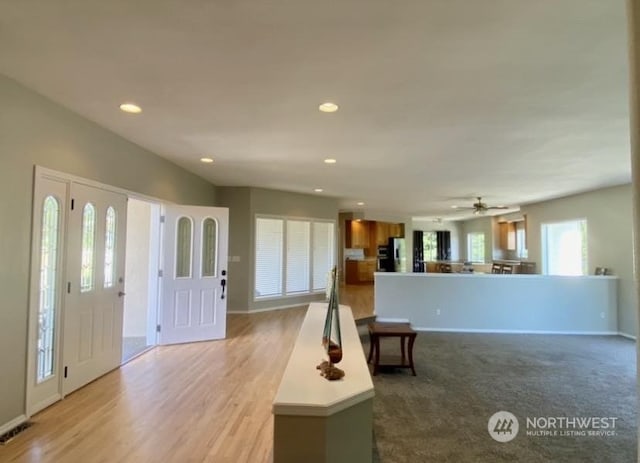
94	285
194	295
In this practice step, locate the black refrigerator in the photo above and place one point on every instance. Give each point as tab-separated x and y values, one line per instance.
396	256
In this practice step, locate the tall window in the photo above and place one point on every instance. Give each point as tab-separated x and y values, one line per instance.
209	247
183	247
109	247
298	256
269	249
48	296
293	256
430	246
475	247
564	248
521	249
88	248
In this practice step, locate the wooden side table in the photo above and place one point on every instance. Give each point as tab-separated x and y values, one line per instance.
407	337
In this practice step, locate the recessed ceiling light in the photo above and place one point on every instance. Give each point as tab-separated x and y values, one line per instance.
328	107
360	203
318	190
131	108
330	161
206	160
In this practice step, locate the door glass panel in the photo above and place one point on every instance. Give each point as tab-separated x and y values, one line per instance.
183	248
209	245
48	296
109	247
88	246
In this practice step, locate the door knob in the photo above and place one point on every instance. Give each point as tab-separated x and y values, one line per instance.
121	293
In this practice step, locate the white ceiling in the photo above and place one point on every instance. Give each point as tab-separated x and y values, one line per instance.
440	100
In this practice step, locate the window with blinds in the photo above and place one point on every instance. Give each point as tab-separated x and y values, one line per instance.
293	256
269	247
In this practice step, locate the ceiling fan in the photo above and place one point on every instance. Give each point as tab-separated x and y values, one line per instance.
480	208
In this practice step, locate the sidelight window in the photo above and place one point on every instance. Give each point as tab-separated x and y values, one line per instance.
48	276
183	248
87	269
209	247
109	247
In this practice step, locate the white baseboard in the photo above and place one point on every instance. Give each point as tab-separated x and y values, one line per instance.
44	404
267	309
12	424
455	330
392	320
625	335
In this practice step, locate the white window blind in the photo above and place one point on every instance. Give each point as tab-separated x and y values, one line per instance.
269	247
323	245
293	256
564	248
298	256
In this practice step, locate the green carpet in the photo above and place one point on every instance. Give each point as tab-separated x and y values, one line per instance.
442	414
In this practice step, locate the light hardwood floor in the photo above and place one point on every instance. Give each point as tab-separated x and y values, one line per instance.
359	298
201	402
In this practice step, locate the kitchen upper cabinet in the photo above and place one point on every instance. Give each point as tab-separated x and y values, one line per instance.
508	236
396	230
382	233
357	234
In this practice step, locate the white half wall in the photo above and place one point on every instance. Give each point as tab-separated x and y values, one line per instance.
499	303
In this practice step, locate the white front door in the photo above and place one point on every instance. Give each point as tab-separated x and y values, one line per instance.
194	274
94	285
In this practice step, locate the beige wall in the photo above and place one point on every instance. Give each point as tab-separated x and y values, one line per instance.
238	200
244	204
609	238
34	130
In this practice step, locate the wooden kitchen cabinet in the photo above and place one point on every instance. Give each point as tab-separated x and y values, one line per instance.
357	234
382	233
508	236
360	271
396	230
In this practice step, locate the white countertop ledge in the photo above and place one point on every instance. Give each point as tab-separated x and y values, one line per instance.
302	390
487	275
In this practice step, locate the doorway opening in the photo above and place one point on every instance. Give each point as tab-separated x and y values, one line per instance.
141	285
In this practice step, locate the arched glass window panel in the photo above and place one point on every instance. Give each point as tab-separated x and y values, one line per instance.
87	269
209	247
183	248
48	296
109	247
